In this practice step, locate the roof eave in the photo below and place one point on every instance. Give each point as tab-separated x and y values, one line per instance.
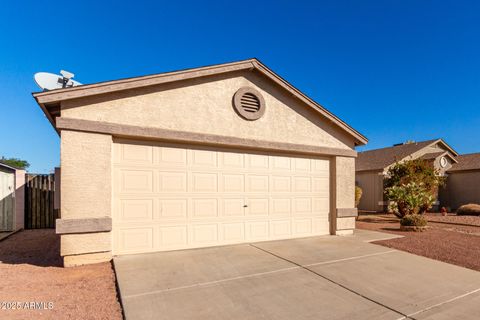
446	145
56	96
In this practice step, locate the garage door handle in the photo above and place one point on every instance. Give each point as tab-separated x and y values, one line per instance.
245	206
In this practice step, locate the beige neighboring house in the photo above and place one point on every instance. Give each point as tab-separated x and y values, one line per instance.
372	166
12	198
463	182
217	155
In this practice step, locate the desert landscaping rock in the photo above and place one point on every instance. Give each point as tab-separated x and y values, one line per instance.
31	270
449	242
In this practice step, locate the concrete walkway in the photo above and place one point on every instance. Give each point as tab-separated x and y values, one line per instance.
310	278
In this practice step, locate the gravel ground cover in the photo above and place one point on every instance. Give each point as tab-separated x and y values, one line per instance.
452	239
31	271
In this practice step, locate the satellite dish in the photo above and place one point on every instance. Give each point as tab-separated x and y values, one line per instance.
50	81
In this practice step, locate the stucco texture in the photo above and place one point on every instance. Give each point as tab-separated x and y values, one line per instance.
462	187
205	106
85	189
86	175
344	186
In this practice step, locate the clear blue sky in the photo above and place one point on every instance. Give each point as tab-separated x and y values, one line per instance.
394	70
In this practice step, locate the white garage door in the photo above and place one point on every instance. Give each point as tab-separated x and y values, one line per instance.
168	197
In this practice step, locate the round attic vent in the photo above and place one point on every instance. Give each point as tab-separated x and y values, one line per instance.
249	103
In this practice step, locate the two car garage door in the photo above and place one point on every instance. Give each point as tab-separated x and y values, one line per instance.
168	197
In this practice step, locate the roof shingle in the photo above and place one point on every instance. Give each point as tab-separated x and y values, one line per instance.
379	159
466	162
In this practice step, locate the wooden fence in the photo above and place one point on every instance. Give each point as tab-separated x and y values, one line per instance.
39	198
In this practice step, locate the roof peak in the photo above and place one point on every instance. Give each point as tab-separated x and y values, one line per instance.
51	98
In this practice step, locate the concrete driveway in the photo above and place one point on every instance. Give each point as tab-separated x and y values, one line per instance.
310	278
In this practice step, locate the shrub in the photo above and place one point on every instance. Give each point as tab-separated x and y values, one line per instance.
412	186
358	195
413	220
470	209
409	199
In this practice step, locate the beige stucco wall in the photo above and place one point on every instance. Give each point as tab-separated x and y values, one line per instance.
205	106
199	106
343	186
86	175
85	188
462	187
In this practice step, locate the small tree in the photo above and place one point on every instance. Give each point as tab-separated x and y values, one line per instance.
15	162
412	187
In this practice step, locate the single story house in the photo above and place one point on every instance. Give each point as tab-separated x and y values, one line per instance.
12	198
217	155
372	166
463	182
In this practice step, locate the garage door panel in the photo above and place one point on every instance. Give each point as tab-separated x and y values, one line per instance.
168	197
132	240
302	206
173	208
257	161
257	230
204	208
138	181
320	186
204	234
257	207
203	158
233	232
280	184
230	160
232	183
320	166
321	225
203	182
172	236
282	164
172	156
280	228
134	153
135	210
172	181
302	226
280	206
320	205
233	207
257	183
302	165
302	184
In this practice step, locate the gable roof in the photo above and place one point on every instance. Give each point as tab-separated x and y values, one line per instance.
466	162
379	159
49	100
432	155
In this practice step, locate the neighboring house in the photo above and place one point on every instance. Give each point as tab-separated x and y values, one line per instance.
217	155
371	167
463	182
12	198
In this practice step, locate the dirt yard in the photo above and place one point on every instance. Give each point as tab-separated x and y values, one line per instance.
31	271
453	239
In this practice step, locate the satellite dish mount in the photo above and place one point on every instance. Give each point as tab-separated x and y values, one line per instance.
50	81
66	78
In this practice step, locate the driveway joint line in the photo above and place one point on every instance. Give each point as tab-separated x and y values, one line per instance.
203	284
444	302
349	258
334	282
